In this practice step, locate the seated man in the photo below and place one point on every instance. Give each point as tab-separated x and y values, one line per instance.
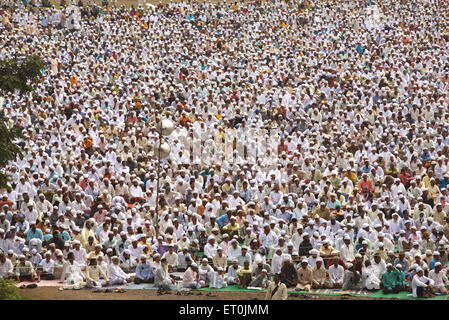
172	258
336	274
319	274
305	277
162	279
422	286
6	267
261	281
25	270
144	271
244	274
190	278
351	278
233	277
218	279
289	275
390	280
370	281
220	259
93	273
45	270
116	274
440	279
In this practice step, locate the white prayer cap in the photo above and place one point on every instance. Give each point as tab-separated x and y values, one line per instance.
419	269
235	260
399	266
437	264
346	237
122	233
108	250
380	244
10	251
389	265
304	261
76	242
436	253
142	256
194	265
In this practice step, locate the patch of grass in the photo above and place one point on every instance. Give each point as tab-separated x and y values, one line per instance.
8	291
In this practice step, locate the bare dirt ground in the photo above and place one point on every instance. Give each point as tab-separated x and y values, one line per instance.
52	293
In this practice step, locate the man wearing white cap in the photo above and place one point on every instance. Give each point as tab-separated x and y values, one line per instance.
305	277
6	267
218	280
261	281
172	258
220	259
347	249
422	286
440	279
233	277
190	278
234	250
276	290
210	249
144	271
72	272
336	274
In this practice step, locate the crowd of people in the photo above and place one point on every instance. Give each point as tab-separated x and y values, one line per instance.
310	148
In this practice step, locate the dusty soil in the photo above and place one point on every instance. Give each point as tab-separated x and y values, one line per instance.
52	293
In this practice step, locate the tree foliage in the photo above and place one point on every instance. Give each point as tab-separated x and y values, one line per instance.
8	149
8	291
20	75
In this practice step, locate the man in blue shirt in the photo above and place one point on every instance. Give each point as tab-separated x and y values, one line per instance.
34	232
436	258
144	271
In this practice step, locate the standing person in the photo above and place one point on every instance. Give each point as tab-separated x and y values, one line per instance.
276	290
